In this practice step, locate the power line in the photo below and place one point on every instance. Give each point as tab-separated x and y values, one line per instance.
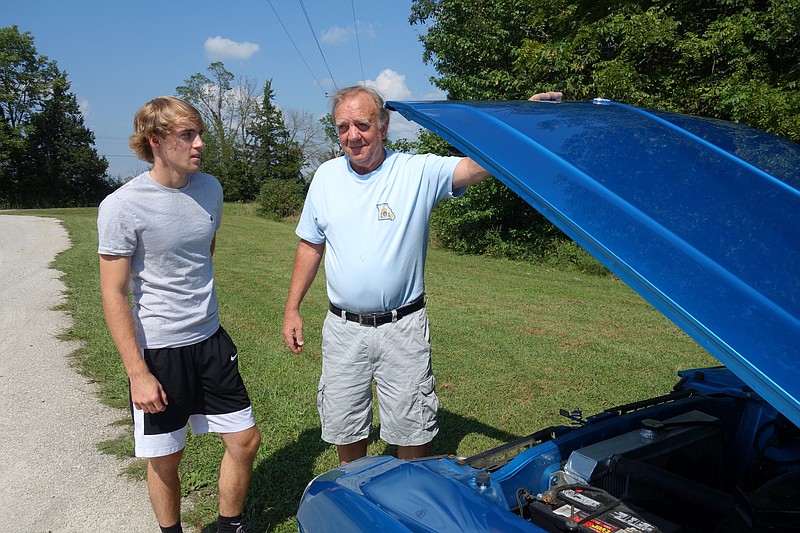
313	33
358	43
319	47
298	50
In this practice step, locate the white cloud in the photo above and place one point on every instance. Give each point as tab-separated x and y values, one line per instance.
366	32
343	34
328	85
400	128
85	108
220	48
338	35
391	85
438	94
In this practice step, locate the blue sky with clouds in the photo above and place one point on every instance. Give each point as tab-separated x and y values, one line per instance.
118	55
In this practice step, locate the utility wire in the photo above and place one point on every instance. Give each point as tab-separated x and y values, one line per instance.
296	48
318	46
358	43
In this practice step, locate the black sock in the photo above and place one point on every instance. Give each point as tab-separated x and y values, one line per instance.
172	529
228	524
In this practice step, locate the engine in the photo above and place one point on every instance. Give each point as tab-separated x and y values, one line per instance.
674	475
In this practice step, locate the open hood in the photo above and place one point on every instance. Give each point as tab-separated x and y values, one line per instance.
696	215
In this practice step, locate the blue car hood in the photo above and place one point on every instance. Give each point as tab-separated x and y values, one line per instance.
696	215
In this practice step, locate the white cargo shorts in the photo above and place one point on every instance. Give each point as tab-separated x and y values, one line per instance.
397	356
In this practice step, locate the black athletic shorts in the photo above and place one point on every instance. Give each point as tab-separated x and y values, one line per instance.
203	387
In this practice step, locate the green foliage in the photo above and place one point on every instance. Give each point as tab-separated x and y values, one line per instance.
327	146
474	44
246	140
566	254
331	136
281	199
491	219
46	153
731	59
24	77
62	167
226	110
734	60
403	145
274	155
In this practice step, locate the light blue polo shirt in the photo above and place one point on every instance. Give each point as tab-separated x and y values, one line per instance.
375	227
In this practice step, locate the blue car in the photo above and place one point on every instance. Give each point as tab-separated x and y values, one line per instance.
698	216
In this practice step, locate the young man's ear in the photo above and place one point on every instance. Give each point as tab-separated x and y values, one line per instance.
155	141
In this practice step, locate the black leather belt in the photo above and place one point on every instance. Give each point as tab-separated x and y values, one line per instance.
376	319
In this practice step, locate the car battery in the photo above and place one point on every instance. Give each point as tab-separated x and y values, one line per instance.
587	509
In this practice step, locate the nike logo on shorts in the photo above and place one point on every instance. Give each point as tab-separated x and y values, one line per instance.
234	356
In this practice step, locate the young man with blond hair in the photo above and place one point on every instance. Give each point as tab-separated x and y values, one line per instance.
156	238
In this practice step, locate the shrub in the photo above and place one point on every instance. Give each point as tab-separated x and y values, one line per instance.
567	254
491	219
280	199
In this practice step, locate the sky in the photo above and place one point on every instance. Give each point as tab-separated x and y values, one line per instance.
119	55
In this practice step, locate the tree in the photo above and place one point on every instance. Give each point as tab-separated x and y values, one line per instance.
47	157
61	167
331	146
227	109
474	44
25	77
277	161
731	59
311	137
247	140
275	155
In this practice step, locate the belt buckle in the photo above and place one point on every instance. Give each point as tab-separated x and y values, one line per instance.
370	320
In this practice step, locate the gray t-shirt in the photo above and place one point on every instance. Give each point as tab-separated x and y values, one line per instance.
168	234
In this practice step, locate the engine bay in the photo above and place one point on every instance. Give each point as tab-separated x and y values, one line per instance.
711	456
724	462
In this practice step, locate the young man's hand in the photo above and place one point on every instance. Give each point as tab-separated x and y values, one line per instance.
147	394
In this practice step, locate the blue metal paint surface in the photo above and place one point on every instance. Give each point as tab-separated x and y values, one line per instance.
389	495
697	215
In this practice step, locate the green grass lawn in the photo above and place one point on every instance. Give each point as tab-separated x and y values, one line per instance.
512	344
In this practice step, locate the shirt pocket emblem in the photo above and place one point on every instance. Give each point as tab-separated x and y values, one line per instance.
385	212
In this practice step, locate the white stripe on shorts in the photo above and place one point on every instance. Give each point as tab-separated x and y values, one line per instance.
175	441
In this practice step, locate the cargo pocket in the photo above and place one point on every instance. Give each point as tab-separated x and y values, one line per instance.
429	403
423	323
321	402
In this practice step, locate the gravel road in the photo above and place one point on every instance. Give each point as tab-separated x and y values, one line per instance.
52	478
